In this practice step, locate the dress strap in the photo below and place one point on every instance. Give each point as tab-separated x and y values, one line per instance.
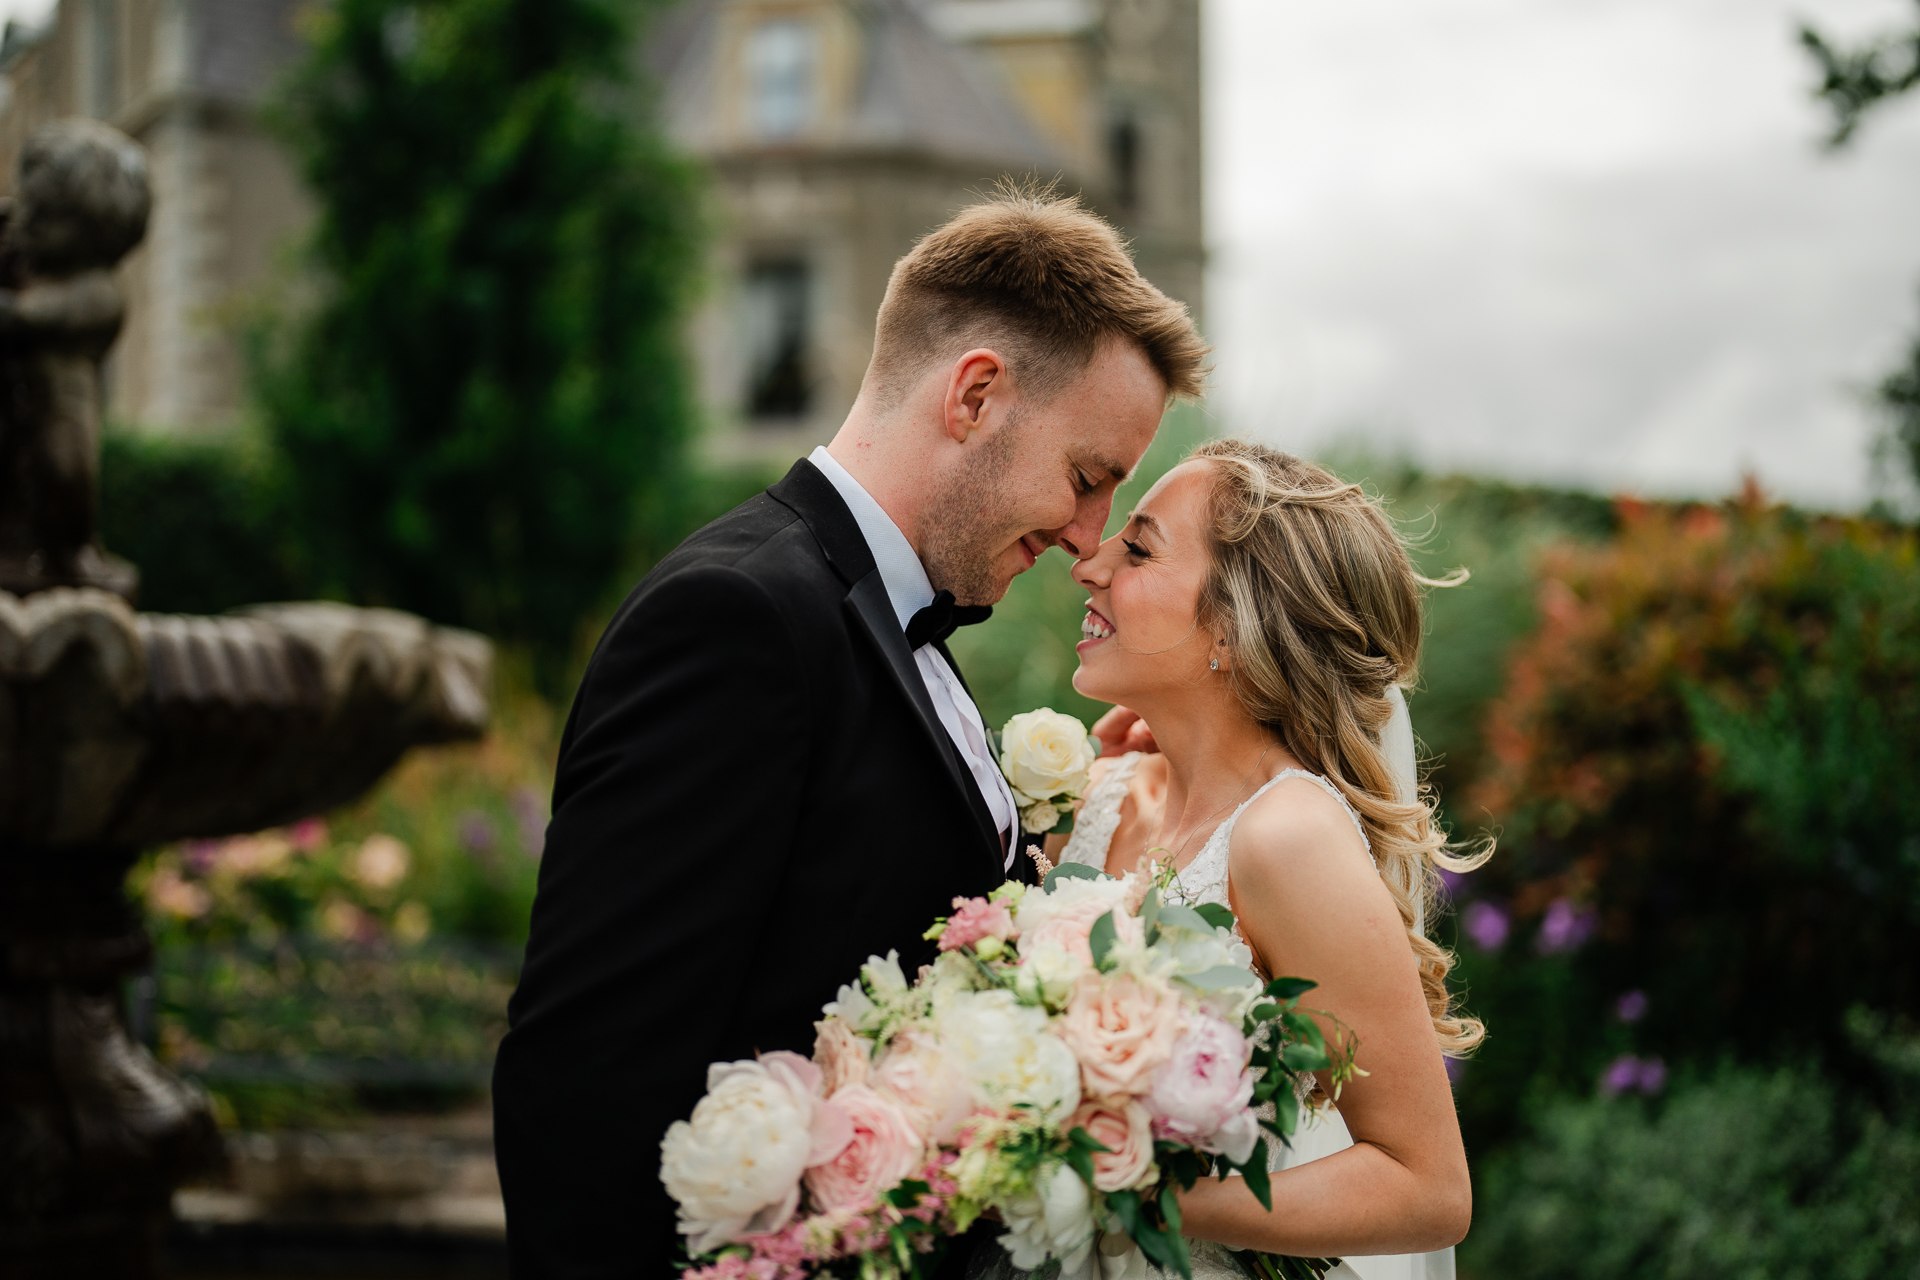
1099	814
1224	832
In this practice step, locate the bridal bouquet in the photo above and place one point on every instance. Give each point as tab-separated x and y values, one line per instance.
1077	1054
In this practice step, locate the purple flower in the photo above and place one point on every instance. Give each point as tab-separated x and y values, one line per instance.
1622	1074
1456	1070
1565	928
1631	1007
476	832
530	812
1626	1072
1453	880
1486	924
200	857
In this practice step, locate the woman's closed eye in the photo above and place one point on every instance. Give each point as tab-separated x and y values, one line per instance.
1134	549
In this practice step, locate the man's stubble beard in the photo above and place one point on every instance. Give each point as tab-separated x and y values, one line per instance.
967	535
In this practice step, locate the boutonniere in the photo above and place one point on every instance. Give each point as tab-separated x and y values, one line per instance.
1045	757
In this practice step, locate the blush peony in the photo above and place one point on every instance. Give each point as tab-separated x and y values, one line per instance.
1200	1094
1121	1028
735	1168
885	1148
917	1075
1126	1130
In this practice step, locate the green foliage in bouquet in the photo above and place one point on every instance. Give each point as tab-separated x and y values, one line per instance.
1702	765
486	402
1738	1171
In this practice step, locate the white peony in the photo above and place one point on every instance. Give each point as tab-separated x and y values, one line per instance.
1078	896
1008	1056
1056	1221
735	1167
1045	754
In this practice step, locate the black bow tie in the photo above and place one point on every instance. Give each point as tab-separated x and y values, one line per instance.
941	618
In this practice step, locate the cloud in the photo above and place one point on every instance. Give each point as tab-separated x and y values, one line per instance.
1590	243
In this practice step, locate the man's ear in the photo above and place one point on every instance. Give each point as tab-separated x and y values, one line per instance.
979	378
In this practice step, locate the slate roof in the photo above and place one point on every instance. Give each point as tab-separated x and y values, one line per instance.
917	92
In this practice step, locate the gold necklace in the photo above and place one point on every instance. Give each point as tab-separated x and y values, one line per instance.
1160	826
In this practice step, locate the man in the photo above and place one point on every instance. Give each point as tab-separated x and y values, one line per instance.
772	769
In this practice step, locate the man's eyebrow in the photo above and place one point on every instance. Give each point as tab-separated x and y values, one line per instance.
1118	471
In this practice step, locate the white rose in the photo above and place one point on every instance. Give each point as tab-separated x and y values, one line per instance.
1039	817
1045	754
1047	975
735	1167
1008	1056
1056	1221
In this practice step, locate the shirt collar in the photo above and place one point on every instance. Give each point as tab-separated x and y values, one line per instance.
908	589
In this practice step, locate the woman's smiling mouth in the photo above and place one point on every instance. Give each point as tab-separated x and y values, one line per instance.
1094	628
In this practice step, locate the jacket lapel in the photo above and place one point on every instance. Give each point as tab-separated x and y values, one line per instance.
813	498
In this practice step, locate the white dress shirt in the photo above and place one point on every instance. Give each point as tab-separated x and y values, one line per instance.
909	591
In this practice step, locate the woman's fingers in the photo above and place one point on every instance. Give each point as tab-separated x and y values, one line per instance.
1121	731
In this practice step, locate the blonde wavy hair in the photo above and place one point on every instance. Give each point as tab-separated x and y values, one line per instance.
1320	604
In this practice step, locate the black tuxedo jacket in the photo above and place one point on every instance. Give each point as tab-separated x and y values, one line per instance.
754	794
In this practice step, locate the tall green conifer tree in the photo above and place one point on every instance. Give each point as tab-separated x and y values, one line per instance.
488	397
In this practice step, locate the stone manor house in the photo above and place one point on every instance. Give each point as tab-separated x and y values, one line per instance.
836	131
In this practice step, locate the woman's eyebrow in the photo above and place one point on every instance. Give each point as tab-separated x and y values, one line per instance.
1145	521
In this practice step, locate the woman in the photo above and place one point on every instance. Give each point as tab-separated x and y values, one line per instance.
1260	615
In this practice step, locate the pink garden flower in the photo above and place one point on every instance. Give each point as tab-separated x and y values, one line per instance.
1126	1130
974	919
885	1148
1121	1029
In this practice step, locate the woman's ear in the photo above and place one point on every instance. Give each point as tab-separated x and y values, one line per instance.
1222	656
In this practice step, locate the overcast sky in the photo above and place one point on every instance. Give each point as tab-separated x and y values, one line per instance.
1590	241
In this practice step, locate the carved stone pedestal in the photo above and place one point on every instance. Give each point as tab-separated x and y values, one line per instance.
94	1134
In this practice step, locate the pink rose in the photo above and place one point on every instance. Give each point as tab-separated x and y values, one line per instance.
1121	1029
885	1149
1126	1130
974	919
1200	1095
1070	926
916	1075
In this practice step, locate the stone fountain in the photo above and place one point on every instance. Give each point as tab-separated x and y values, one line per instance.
122	730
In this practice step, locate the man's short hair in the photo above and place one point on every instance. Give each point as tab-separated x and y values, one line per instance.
1042	281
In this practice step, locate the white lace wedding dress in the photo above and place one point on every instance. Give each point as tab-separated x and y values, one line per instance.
1319	1134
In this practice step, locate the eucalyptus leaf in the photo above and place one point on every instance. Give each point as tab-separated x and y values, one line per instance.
1174	916
1213	913
1220	978
1072	871
1290	988
1100	940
